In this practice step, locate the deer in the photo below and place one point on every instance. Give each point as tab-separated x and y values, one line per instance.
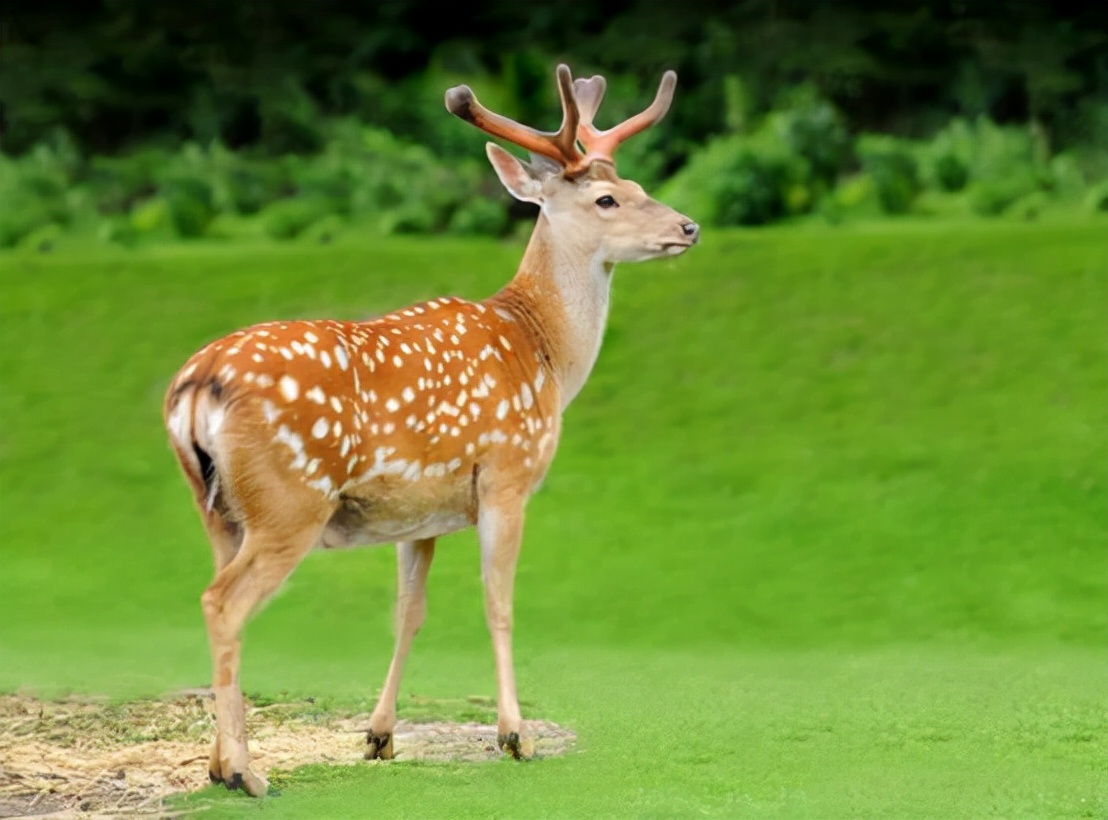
444	415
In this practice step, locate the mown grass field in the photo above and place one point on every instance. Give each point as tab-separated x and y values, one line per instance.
825	536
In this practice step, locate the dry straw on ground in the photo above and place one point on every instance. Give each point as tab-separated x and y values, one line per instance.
77	758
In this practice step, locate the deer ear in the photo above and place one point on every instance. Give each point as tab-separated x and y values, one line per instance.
518	178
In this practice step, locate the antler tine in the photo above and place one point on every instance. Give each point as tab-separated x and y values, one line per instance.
589	95
602	144
560	145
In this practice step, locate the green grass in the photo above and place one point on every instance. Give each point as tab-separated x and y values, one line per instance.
824	538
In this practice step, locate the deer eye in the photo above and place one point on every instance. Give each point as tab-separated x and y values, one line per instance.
607	202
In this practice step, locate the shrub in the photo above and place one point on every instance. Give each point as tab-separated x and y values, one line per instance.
188	199
479	215
20	214
286	218
951	173
889	163
1097	198
813	128
738	180
117	183
242	185
32	193
991	196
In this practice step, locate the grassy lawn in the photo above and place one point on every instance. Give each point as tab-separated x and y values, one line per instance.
825	536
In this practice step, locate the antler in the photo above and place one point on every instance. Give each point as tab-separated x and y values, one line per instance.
560	145
602	144
580	101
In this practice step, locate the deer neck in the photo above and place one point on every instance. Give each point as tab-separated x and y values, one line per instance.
561	294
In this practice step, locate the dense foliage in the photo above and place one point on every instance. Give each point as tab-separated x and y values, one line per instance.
126	119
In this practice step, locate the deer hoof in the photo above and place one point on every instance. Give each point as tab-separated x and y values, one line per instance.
380	745
246	780
511	744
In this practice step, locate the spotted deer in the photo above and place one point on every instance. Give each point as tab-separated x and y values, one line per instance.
295	435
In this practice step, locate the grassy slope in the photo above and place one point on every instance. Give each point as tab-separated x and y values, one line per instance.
825	535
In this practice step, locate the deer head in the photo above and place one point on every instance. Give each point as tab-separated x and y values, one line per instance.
572	175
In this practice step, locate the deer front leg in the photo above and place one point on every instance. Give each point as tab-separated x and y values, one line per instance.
500	528
413	561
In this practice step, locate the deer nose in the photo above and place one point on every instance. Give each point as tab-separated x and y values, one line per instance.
691	230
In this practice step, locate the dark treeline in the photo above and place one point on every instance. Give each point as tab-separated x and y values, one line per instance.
257	75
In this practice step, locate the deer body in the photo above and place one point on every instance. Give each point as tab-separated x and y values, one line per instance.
443	415
389	421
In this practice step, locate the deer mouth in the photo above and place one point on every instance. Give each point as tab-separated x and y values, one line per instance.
675	248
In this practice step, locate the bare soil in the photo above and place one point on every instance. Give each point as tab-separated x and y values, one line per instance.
78	758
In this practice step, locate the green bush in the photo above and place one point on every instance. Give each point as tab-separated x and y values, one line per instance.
1097	198
325	230
813	128
993	195
739	180
888	161
20	214
188	199
1030	206
479	215
287	218
243	185
117	183
33	192
950	172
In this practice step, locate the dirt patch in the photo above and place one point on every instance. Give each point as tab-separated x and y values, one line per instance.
86	759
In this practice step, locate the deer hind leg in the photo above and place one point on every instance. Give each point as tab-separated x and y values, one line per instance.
413	561
499	529
224	534
264	561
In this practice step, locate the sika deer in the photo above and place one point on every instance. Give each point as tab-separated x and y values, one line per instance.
444	415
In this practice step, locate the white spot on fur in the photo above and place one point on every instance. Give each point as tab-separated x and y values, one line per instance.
317	395
341	357
180	420
290	439
319	429
289	387
324	485
502	409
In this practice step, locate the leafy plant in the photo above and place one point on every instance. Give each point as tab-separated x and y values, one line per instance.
890	165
